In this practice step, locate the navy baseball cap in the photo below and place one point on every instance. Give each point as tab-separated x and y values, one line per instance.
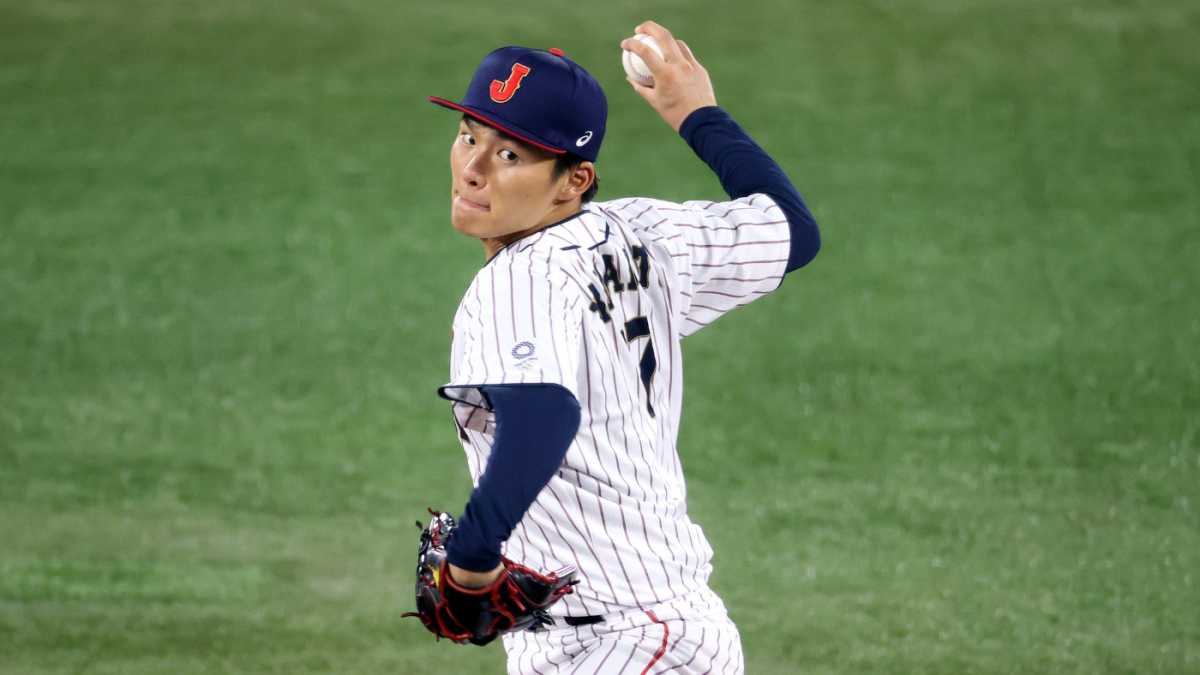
540	97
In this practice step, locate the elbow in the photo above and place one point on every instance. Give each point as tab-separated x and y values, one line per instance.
806	241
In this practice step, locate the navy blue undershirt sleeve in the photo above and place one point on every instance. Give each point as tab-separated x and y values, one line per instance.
745	169
535	424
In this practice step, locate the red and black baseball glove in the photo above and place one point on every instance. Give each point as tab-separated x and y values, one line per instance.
517	600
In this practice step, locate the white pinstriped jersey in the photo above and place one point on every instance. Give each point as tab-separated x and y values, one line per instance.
598	304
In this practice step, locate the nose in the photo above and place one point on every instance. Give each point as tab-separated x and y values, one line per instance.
474	172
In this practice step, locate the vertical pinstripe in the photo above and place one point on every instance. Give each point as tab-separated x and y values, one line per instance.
690	635
536	314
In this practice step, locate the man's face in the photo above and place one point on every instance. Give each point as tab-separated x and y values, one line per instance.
500	186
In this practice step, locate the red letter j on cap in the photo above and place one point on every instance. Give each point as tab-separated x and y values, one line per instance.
502	91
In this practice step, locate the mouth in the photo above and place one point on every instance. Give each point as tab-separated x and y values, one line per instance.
470	205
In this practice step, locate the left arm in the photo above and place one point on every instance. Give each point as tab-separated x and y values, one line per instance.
534	412
535	425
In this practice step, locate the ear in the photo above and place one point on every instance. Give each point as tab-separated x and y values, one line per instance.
577	182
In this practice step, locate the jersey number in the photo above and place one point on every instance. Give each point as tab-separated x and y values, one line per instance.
635	328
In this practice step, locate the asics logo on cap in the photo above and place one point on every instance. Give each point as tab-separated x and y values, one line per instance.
583	140
503	91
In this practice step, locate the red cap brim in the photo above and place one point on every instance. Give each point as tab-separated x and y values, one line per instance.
499	124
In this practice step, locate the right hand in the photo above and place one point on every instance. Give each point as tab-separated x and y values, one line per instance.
681	84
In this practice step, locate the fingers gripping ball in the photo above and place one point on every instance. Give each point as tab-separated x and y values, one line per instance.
518	600
635	67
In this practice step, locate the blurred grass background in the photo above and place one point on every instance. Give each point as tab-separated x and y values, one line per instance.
963	441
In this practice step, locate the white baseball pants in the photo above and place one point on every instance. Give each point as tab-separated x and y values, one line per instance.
688	635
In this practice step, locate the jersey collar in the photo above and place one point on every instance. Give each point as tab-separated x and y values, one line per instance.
581	212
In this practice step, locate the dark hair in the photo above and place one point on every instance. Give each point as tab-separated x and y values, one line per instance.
563	163
567	162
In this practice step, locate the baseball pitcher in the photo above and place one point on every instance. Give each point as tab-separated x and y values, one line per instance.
567	375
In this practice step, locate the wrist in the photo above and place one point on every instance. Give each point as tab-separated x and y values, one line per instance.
699	118
471	579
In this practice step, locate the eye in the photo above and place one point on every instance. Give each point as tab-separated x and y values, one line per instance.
466	139
508	155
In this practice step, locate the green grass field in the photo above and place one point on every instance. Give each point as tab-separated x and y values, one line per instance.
964	440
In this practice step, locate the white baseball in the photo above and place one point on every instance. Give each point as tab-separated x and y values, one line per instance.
635	67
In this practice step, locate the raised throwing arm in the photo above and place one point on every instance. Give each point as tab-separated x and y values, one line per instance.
683	95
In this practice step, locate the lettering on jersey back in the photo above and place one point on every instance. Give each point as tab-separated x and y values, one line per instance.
599	304
610	275
611	281
643	263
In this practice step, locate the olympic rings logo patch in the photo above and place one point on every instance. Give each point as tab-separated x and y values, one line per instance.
524	355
